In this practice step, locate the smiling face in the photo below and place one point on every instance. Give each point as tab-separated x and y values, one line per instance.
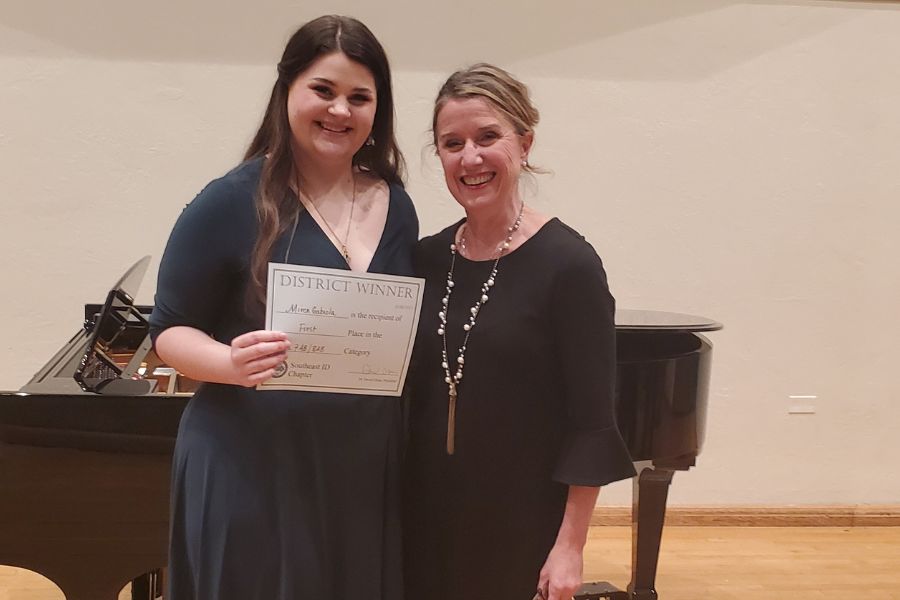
481	153
331	108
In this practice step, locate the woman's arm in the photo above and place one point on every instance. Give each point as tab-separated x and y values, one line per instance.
561	575
249	360
592	453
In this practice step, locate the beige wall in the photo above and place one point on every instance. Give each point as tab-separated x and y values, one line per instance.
739	160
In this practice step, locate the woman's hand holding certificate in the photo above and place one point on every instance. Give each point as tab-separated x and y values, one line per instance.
256	354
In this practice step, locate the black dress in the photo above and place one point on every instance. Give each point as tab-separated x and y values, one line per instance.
276	495
534	415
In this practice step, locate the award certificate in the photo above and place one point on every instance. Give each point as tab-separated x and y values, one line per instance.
350	332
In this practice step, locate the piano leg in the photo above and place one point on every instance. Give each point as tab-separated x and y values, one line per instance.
148	586
140	588
651	490
648	513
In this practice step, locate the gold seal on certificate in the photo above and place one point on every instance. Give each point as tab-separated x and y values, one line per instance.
350	332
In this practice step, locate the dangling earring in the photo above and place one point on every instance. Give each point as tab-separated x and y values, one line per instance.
370	141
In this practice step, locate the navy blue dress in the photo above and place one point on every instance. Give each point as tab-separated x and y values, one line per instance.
276	495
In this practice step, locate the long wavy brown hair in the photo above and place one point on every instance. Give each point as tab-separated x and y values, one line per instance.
276	205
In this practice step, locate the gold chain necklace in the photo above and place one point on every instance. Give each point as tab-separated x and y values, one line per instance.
311	207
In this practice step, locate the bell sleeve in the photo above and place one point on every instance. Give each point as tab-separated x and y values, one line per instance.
592	452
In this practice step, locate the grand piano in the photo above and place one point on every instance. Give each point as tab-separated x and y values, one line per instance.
86	446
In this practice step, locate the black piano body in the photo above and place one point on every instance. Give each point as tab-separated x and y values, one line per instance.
85	475
663	367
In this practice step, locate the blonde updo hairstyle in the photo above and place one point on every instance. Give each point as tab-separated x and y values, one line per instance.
504	92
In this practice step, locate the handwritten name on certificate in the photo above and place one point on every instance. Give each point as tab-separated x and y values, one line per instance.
350	332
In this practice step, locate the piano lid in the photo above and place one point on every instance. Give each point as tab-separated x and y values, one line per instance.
665	322
130	282
87	362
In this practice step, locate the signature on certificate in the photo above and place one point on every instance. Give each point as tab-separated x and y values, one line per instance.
370	370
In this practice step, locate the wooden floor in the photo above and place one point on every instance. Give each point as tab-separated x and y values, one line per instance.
758	563
704	563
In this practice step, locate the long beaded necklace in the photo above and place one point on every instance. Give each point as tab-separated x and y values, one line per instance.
454	379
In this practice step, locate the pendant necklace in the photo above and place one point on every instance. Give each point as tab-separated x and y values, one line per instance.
311	207
452	380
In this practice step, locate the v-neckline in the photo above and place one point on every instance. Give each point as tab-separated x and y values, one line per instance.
381	239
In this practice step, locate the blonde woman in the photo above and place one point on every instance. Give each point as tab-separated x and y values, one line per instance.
512	427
